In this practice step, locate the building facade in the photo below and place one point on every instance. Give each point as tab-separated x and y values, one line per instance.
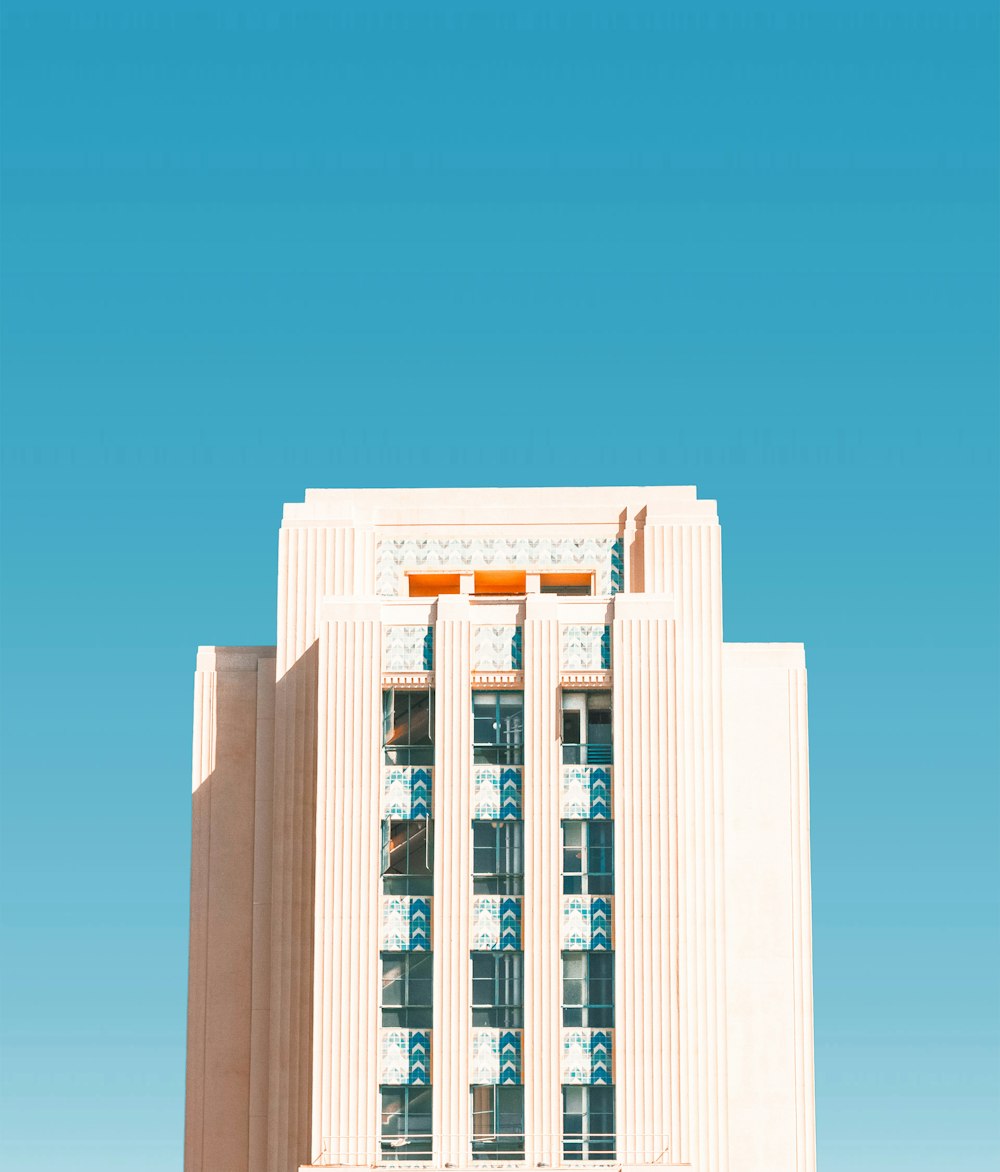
501	855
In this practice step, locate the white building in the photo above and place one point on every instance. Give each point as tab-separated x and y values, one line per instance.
501	855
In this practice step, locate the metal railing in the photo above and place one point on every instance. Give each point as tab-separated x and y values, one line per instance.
587	754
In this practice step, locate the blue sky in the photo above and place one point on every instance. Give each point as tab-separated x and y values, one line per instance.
249	249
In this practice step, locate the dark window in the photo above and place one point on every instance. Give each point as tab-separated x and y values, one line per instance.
589	989
406	1123
586	728
497	858
408	727
588	858
588	1123
407	985
498	728
407	858
497	989
498	1123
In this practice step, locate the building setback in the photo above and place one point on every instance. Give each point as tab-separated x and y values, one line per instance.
501	856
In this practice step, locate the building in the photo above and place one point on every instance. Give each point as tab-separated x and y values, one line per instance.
501	856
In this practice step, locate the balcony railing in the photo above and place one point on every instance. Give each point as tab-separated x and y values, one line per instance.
590	1147
587	754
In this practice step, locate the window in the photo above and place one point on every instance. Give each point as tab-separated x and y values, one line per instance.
566	583
407	858
586	728
497	1123
499	582
589	989
588	1123
497	989
497	858
588	858
406	1123
498	728
408	727
407	983
431	585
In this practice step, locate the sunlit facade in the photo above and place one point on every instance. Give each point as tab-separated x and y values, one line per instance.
501	855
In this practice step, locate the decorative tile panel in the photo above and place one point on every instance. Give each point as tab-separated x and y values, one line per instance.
406	1057
496	1057
586	791
588	1057
496	923
433	554
406	791
496	792
585	647
406	923
497	649
407	648
586	923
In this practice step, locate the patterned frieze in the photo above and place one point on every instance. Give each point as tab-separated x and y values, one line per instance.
496	1057
603	555
406	1057
586	791
406	923
406	791
584	647
587	1057
496	792
496	923
498	648
586	923
407	648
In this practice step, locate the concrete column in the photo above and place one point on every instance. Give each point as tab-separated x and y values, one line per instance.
542	885
452	910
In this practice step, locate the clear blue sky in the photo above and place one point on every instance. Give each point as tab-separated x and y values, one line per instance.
253	248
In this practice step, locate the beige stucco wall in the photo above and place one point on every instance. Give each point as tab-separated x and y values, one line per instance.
232	767
768	936
713	1037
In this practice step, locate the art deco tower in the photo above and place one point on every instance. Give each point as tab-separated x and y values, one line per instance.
501	856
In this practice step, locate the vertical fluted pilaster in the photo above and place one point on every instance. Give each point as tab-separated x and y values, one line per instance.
346	978
542	885
452	881
684	561
644	808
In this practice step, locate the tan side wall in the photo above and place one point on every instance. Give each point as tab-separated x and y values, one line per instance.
233	719
769	949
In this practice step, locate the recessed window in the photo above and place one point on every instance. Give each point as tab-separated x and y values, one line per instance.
407	985
498	1123
586	728
431	585
498	728
566	583
497	858
588	1123
407	858
589	989
588	858
406	1123
408	726
500	582
497	989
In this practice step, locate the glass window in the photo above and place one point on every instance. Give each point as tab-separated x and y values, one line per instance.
407	986
586	728
589	989
588	1123
406	1123
588	858
408	727
407	858
497	858
498	1123
497	989
498	728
